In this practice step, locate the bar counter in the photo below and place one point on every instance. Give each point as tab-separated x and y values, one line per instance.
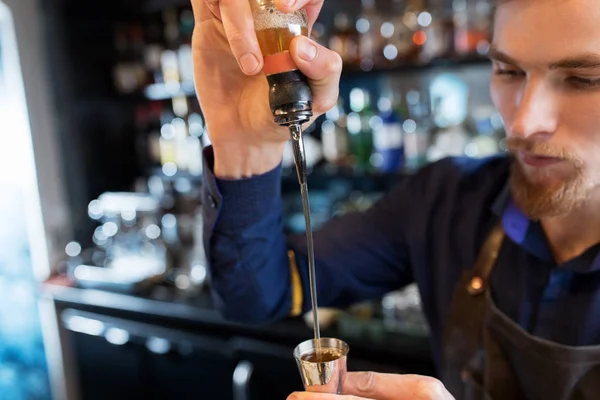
104	332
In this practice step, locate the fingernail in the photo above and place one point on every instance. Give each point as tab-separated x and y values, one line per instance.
249	63
289	3
307	49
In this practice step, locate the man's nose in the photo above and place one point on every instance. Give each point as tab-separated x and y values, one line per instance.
536	114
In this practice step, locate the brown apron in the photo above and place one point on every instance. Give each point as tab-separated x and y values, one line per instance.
488	356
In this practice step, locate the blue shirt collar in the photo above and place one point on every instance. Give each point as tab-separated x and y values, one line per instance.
530	235
515	222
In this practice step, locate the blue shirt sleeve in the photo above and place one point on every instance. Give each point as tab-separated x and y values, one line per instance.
358	256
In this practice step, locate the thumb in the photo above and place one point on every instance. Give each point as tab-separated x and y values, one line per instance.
323	69
395	387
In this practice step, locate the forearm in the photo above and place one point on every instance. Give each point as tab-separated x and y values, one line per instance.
260	275
246	248
238	162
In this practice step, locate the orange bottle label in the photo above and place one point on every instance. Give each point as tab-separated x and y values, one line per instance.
278	63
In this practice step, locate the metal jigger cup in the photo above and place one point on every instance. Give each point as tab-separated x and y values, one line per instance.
322	377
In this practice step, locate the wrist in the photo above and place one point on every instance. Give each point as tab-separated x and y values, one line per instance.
233	161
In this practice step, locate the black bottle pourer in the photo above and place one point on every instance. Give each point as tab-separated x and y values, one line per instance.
290	98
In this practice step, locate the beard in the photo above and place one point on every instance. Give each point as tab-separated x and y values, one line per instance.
542	192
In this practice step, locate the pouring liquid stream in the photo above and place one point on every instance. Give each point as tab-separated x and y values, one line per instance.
300	161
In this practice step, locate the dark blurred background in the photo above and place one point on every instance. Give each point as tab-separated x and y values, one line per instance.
109	270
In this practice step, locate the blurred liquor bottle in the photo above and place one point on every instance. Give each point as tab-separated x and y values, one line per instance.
399	46
438	27
488	132
172	39
370	41
182	138
154	46
334	136
417	129
414	9
129	74
319	34
472	24
154	133
360	129
186	29
450	137
387	136
344	38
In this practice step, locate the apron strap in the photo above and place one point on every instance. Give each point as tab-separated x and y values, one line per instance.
462	341
486	260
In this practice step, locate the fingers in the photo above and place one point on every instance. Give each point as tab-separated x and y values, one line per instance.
395	387
322	396
322	67
312	7
236	16
239	29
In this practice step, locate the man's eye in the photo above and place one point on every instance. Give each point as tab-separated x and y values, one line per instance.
578	82
509	73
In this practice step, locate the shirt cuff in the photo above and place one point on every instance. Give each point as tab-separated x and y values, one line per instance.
243	202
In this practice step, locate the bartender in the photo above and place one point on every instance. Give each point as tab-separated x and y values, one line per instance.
504	250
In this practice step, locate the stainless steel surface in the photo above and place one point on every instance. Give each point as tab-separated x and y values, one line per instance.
241	380
299	153
295	114
322	377
300	160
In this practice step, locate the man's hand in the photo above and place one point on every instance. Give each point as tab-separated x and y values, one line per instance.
375	386
233	92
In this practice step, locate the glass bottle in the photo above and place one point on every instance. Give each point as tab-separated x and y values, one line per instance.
397	36
472	24
344	39
485	142
359	128
334	136
168	148
318	33
171	32
153	49
169	60
410	18
416	130
438	26
449	100
387	137
194	143
129	74
178	35
274	31
370	41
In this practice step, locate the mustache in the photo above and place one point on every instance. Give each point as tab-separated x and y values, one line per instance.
541	149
